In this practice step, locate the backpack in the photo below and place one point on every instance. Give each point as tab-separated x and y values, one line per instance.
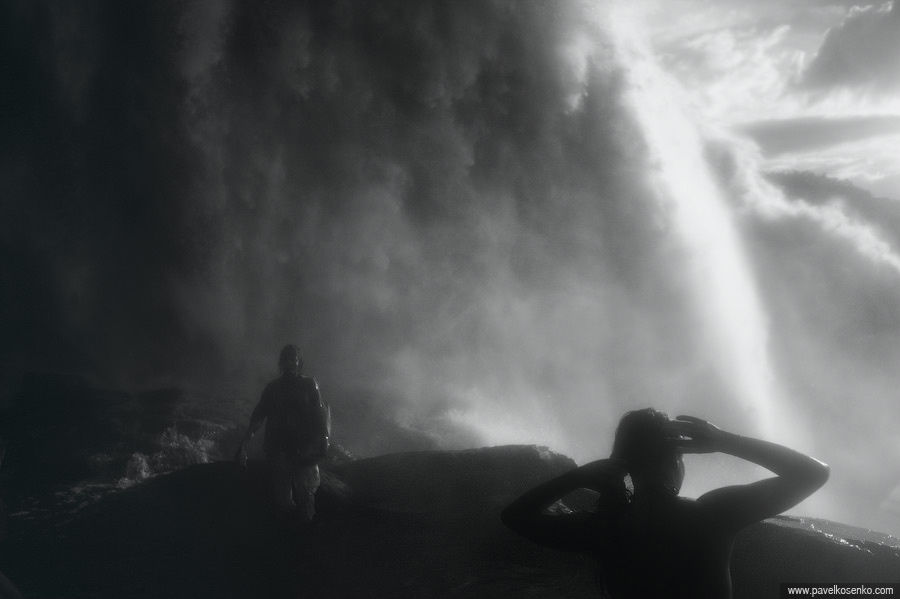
300	422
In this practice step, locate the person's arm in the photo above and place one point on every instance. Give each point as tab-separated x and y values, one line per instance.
526	515
737	506
325	419
256	420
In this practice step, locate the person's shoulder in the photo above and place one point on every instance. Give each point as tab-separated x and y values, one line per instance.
309	381
267	396
688	503
272	385
276	388
689	507
704	519
679	511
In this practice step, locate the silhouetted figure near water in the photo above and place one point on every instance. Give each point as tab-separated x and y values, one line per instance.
650	542
298	425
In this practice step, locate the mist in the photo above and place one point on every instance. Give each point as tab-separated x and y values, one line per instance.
498	222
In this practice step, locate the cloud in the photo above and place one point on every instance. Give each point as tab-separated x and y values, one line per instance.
863	52
752	62
858	148
807	134
725	67
870	163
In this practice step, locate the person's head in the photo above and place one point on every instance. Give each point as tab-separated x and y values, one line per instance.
289	361
643	441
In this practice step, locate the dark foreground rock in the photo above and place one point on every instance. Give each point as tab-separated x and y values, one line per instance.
421	524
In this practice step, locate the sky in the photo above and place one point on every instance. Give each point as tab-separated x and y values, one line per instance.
814	84
498	222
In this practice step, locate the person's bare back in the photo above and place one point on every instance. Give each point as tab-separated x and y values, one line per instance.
664	548
650	542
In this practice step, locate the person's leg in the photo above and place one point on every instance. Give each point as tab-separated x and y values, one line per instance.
281	482
306	482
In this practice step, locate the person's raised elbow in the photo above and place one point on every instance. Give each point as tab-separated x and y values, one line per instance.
817	475
824	471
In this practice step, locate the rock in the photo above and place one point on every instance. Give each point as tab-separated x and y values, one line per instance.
785	549
451	482
62	430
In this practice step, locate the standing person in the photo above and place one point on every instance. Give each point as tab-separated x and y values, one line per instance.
649	541
298	425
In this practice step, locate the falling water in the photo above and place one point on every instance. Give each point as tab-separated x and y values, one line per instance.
725	289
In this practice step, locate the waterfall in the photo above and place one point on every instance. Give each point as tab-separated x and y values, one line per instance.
735	326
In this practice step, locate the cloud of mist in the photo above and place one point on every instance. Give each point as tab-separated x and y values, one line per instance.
445	206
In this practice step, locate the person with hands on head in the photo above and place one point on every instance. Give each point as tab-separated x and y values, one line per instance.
649	541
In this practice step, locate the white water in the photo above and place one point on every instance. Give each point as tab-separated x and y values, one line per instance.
735	324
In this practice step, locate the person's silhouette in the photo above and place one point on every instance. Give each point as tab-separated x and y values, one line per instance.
298	425
649	541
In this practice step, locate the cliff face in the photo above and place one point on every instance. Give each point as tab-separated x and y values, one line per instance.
419	524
